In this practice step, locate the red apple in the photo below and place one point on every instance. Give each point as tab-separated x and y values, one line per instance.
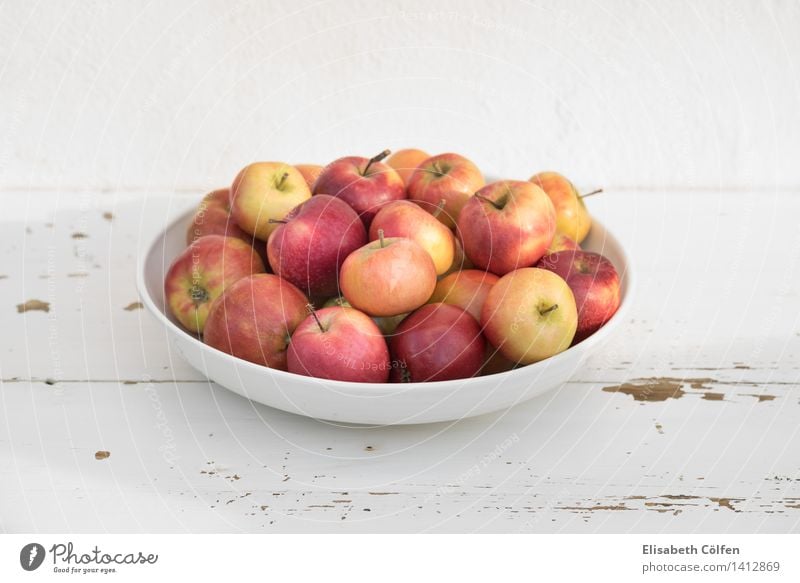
403	218
213	217
530	315
263	192
406	161
466	289
572	218
388	277
312	243
507	225
448	177
254	319
341	344
438	342
594	283
366	184
202	272
310	173
386	324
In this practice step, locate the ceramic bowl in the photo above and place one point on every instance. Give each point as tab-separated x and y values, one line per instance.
367	403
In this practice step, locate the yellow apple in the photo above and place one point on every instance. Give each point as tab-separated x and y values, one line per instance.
264	192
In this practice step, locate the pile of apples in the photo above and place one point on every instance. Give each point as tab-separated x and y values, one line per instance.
408	270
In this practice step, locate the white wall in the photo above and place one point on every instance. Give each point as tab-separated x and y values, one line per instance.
163	95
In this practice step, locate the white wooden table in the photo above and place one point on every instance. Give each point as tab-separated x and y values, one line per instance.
687	421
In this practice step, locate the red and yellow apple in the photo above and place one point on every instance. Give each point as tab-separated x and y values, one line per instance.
572	218
530	315
507	225
312	242
448	177
263	192
388	277
366	184
406	161
202	272
594	282
561	242
339	343
403	218
310	173
466	289
213	217
438	342
254	319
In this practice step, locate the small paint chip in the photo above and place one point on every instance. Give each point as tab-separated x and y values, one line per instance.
80	235
102	455
133	306
33	306
109	216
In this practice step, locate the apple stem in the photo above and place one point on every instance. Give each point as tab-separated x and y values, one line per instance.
489	200
377	158
598	191
283	179
380	236
281	221
439	208
313	312
548	310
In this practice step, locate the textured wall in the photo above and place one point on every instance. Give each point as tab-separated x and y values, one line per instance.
162	95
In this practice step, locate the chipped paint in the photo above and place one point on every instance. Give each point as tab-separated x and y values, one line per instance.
726	502
598	507
33	306
761	398
654	389
102	455
79	235
714	396
133	306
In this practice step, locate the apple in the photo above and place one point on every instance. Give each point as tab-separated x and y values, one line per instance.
254	319
312	242
403	218
507	225
494	362
265	191
366	184
202	272
572	218
386	324
466	289
341	344
594	282
213	217
460	261
406	161
388	277
448	177
310	173
561	242
530	315
438	342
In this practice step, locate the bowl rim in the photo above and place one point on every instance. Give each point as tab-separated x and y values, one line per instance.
379	389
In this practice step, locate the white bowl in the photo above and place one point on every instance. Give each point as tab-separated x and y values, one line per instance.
369	403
